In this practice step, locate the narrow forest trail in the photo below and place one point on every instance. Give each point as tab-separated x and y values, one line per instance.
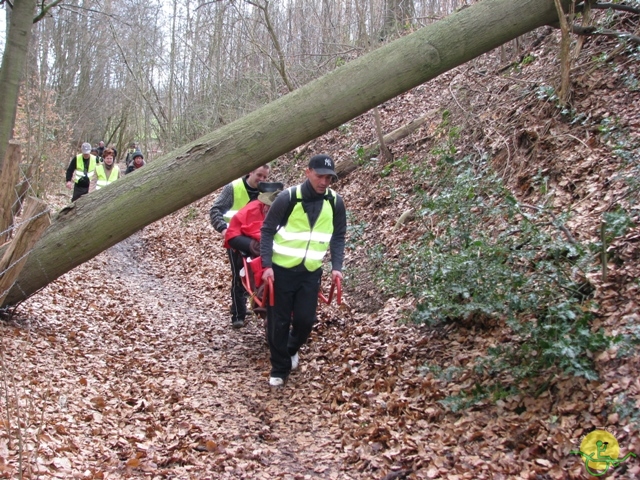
145	380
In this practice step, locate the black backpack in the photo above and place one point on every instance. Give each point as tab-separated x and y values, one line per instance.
85	181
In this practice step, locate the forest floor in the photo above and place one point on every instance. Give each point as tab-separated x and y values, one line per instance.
126	367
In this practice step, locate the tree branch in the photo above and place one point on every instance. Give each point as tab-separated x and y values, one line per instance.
279	65
616	6
45	10
206	3
589	31
554	222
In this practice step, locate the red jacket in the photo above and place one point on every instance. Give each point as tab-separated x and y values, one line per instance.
248	222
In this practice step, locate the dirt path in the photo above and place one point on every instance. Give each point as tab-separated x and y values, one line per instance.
152	382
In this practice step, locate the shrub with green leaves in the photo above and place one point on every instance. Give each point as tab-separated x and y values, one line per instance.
486	256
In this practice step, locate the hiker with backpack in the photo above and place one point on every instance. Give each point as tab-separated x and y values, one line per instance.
100	149
303	223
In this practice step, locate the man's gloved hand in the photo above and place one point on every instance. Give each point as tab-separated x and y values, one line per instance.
254	248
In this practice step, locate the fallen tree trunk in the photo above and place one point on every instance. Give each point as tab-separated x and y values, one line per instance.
346	166
105	217
406	130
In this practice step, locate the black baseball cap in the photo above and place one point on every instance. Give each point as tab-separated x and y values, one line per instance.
323	165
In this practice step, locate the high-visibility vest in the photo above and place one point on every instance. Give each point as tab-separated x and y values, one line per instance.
79	173
240	199
103	178
296	242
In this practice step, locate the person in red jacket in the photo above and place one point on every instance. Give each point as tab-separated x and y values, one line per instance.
243	234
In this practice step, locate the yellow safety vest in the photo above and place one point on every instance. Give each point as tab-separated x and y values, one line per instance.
103	179
240	199
79	173
296	242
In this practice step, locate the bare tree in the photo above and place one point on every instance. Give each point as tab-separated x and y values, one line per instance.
277	59
14	60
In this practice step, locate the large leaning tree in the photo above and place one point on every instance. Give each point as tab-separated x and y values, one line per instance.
104	218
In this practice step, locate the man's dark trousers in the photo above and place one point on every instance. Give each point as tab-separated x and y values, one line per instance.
238	293
78	192
295	303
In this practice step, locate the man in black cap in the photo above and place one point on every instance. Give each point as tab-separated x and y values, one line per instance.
302	224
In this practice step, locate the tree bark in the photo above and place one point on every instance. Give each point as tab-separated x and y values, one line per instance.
22	188
564	92
14	60
8	180
384	150
36	219
103	218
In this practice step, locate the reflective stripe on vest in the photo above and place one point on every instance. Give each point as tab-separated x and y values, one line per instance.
103	179
240	199
79	173
296	242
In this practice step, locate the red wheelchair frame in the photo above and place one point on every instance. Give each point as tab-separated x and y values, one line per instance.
267	298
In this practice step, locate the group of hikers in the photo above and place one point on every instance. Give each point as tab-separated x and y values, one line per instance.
286	232
96	167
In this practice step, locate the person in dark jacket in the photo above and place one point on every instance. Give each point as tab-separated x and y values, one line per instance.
133	148
100	149
137	161
303	223
94	152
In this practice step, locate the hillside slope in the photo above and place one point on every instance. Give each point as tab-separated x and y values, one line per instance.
126	367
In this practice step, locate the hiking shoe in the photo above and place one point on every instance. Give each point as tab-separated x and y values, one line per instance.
237	323
276	381
294	361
